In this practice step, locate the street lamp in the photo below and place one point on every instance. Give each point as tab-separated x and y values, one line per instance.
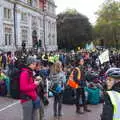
44	3
23	46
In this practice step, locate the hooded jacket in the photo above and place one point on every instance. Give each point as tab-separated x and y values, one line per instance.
27	85
108	109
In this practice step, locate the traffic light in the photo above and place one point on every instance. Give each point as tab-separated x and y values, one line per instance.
40	43
23	44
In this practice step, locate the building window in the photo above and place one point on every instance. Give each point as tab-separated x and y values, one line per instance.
53	9
8	36
24	17
41	35
24	35
41	23
49	38
7	13
53	38
29	2
35	3
48	25
48	7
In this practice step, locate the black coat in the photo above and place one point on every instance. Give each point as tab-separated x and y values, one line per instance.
108	109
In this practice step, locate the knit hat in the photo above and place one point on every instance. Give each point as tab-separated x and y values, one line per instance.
31	60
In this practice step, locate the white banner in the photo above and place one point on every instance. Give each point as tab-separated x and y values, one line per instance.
104	57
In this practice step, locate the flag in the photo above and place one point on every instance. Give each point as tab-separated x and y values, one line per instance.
104	57
90	46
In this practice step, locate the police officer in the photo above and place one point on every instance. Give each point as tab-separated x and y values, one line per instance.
111	107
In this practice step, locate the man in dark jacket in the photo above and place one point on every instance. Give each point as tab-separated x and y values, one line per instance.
111	107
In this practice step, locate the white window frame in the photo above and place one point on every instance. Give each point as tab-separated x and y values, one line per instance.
8	36
7	13
24	35
24	17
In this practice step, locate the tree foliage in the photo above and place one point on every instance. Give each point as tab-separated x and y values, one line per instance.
108	23
73	29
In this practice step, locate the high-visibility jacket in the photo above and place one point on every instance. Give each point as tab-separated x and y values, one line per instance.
51	59
43	58
56	58
115	99
71	82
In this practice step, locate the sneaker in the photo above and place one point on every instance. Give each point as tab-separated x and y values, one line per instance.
55	118
61	114
55	115
80	111
87	110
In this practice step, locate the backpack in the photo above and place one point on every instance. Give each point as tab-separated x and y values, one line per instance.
69	96
15	83
15	79
3	88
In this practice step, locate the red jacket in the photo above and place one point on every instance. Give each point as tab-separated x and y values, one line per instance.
27	85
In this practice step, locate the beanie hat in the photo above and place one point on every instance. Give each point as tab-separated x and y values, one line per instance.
31	60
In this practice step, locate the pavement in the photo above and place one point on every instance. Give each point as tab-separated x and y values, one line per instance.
12	110
70	114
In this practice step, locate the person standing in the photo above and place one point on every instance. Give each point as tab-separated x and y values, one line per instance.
40	89
29	99
80	91
78	82
58	80
111	107
4	61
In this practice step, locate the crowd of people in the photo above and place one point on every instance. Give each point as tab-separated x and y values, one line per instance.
74	78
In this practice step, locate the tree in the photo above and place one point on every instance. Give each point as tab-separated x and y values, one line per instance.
73	29
108	23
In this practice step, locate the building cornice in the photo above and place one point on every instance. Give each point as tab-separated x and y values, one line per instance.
30	7
52	3
51	15
38	10
33	8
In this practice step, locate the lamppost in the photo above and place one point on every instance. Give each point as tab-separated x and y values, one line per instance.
23	46
44	14
14	14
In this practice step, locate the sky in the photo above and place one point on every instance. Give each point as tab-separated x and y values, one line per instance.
85	7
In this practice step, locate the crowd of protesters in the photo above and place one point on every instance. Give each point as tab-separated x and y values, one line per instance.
55	67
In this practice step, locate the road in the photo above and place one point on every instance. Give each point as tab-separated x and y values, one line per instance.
69	113
12	110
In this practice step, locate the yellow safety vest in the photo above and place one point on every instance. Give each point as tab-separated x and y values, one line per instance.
51	59
71	82
115	99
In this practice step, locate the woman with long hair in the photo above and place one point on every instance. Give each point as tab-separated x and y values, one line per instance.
58	80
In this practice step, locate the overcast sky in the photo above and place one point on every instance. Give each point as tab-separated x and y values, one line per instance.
86	7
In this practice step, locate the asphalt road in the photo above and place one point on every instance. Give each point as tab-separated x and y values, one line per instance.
70	114
12	110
